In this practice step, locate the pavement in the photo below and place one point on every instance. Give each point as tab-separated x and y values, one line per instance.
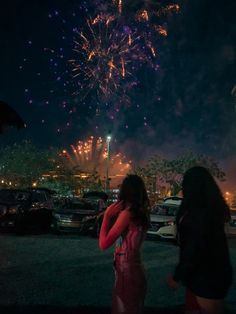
47	274
41	309
77	310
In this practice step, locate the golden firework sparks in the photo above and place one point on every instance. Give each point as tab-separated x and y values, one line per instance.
123	67
91	155
161	30
168	8
119	5
130	40
109	50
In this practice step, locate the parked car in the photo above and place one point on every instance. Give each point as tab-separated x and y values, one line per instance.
162	218
78	215
173	200
104	201
233	218
96	195
25	209
99	196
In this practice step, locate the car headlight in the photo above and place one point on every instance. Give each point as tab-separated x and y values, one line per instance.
13	209
63	217
3	210
169	223
87	218
57	216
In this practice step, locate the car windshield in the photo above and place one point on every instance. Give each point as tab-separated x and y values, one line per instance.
13	196
78	205
163	210
38	197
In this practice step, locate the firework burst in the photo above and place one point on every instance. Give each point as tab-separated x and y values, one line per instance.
112	47
91	156
109	58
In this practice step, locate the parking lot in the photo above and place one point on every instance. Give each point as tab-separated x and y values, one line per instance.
68	274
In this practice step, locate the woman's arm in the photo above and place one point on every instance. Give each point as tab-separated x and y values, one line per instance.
191	251
187	262
109	235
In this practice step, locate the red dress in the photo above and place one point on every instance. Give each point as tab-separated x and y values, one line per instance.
130	280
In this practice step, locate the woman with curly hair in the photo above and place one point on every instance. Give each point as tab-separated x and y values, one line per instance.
204	265
131	215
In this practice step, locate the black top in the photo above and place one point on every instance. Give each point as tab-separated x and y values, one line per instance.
204	264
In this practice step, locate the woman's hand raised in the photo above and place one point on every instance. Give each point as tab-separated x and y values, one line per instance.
114	209
109	234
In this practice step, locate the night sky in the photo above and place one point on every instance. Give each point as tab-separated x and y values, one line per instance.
185	104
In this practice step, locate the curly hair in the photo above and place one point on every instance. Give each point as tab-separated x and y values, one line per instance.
134	194
201	193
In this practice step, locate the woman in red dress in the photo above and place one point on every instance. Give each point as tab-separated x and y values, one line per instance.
131	215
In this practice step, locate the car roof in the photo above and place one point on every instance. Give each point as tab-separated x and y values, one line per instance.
96	194
173	200
42	190
15	190
233	212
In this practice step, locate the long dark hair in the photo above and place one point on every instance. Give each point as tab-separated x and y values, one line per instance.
201	195
134	194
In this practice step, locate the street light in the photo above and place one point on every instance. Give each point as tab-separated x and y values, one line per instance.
108	161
